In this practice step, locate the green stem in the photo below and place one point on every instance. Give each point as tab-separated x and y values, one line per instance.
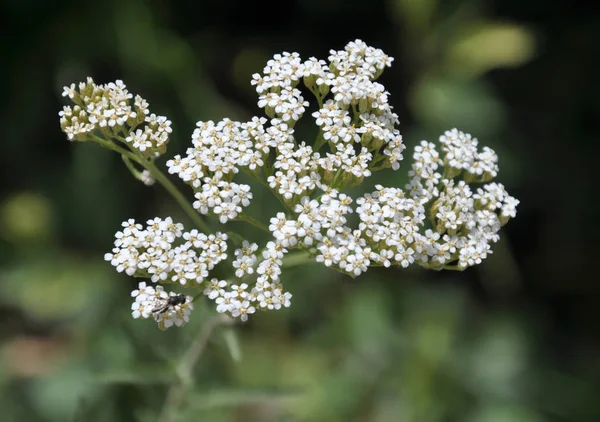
305	257
336	178
443	267
383	167
257	178
160	177
236	238
131	167
297	258
378	158
355	114
254	222
176	194
453	268
129	158
317	94
319	142
178	391
264	183
109	145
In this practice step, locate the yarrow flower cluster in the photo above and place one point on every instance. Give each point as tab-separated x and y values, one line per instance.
109	109
218	152
446	217
162	251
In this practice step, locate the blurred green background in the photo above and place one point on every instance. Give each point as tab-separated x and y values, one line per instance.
513	340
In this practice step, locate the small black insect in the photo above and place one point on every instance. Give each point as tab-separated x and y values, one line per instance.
163	305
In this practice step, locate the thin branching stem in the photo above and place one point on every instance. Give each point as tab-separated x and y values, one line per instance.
179	389
253	221
177	195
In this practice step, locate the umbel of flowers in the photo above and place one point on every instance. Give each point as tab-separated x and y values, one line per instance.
446	217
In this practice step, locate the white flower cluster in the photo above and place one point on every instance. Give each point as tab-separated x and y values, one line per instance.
463	222
155	301
110	110
239	300
394	229
359	127
441	220
461	155
218	152
357	123
152	252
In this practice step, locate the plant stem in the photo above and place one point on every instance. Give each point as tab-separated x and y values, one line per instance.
320	141
130	157
177	391
443	267
236	238
253	221
297	258
177	195
377	159
383	167
131	167
159	176
273	191
109	145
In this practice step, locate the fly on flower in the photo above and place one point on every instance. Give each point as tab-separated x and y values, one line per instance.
164	305
167	308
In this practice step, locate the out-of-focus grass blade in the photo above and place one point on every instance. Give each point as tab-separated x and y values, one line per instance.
233	344
234	397
149	375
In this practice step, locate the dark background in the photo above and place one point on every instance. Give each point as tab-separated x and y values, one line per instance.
515	339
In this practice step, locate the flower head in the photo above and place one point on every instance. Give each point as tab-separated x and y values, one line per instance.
447	216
